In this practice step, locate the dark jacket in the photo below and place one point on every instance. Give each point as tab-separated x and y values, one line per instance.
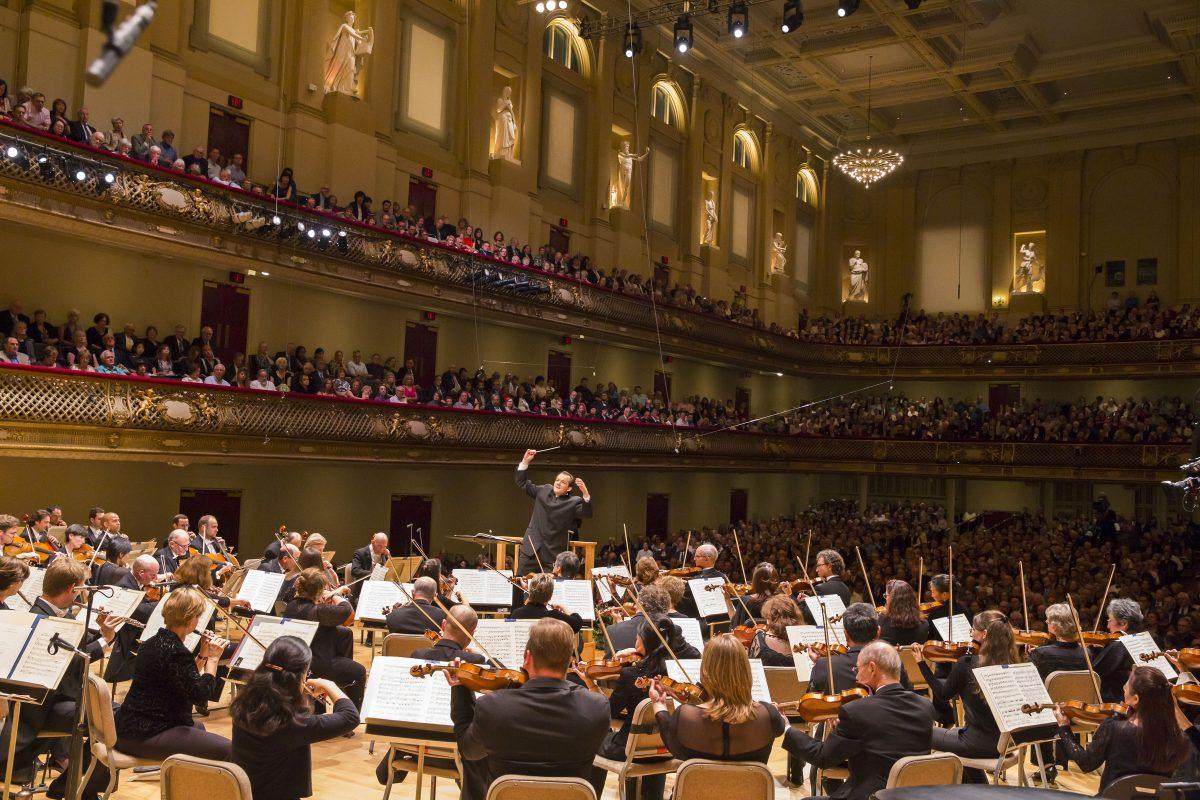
447	650
552	518
1057	657
120	666
844	673
166	684
407	619
538	612
280	765
1112	664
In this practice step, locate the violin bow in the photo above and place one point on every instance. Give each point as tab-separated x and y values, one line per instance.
687	545
1104	599
950	610
651	624
920	579
866	580
741	600
230	617
1024	602
807	550
603	627
828	653
628	549
516	583
741	563
1087	656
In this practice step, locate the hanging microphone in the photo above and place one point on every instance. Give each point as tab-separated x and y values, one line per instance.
120	39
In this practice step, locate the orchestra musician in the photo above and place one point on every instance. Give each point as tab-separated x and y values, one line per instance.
121	662
409	619
861	626
1062	652
939	590
828	567
764	584
112	525
623	635
112	569
172	554
37	528
771	646
537	603
155	720
274	724
288	565
333	643
74	541
56	515
901	622
95	526
1113	662
645	572
1149	741
555	511
432	568
706	560
568	566
207	541
180	522
547	726
10	527
365	559
13	573
874	732
289	537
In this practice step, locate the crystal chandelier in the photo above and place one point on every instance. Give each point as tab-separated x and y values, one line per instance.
868	164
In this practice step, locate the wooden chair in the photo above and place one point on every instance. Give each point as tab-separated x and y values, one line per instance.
702	779
1075	684
644	743
935	769
414	757
1009	754
909	660
403	644
519	787
186	777
102	735
1133	786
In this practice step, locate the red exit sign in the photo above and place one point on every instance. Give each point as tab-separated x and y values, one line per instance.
235	102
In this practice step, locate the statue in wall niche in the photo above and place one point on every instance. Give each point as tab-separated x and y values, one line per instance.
858	277
778	255
1028	269
347	50
708	227
505	141
625	159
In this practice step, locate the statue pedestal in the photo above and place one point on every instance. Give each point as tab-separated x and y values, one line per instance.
504	160
348	110
1026	303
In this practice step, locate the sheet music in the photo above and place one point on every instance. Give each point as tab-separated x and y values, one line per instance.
758	678
266	630
36	665
261	589
575	597
378	595
806	635
690	628
15	628
155	623
709	604
598	574
1143	642
962	629
31	589
834	607
484	587
1007	687
505	639
122	604
378	573
393	695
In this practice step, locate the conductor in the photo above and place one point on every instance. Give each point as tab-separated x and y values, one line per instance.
554	511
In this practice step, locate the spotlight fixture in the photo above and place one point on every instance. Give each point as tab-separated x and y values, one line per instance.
312	234
109	178
540	7
80	175
341	234
738	19
793	16
633	40
326	233
275	220
300	227
12	151
846	7
683	34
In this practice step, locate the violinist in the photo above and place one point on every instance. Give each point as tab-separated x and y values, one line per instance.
939	590
333	644
37	529
706	560
624	634
206	542
171	555
274	724
901	622
111	570
75	546
13	573
861	626
10	526
828	567
1149	741
873	733
764	584
772	646
567	566
409	619
365	559
1062	652
1113	662
547	726
645	572
288	565
289	537
120	666
56	515
537	603
95	526
432	568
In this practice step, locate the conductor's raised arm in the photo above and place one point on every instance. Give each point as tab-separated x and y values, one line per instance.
526	485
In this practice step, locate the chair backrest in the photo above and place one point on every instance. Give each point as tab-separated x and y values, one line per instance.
97	698
1075	684
783	684
644	739
935	769
251	564
701	779
909	660
186	777
1132	786
520	787
403	644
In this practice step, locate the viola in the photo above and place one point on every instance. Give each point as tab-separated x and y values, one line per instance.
606	667
1096	639
681	572
1032	638
946	652
682	691
20	545
817	707
432	636
1079	711
820	648
746	633
476	677
1187	693
731	590
1188	657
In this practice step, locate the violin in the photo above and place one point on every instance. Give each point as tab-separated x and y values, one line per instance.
929	605
681	572
682	691
820	648
731	590
946	652
1031	638
1079	711
87	553
20	546
1188	657
1096	639
432	636
476	677
817	707
606	667
746	633
1187	693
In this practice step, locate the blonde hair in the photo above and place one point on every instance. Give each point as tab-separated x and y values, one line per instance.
182	606
725	674
541	589
195	571
315	538
675	587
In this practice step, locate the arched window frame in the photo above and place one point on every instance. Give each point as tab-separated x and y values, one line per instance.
666	104
745	149
562	44
807	188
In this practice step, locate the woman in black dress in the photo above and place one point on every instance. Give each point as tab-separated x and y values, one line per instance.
333	644
274	725
771	646
764	584
901	622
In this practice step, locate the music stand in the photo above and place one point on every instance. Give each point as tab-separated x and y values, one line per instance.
17	693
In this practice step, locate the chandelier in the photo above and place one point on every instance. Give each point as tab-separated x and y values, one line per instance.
868	164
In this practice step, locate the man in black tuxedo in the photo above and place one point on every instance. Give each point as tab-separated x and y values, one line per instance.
872	733
555	511
706	559
272	551
81	130
120	663
178	342
420	615
546	726
173	554
365	559
828	567
37	528
288	564
95	529
861	625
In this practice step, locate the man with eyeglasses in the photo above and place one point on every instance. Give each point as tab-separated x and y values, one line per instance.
828	569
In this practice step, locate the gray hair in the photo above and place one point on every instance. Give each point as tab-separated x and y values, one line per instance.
860	622
655	600
885	656
425	587
1122	609
144	561
834	559
1059	615
381	533
708	551
177	534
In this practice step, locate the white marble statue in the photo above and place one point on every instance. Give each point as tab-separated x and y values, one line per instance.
625	159
347	50
778	255
1029	268
708	227
505	141
858	277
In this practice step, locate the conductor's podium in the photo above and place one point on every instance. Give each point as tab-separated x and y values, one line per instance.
586	551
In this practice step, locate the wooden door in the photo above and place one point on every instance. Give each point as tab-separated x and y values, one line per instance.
658	508
422	196
739	506
231	134
224	504
560	240
225	307
558	372
662	384
741	402
1001	395
420	344
412	518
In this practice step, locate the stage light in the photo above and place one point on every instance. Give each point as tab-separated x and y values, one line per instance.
42	159
312	234
793	17
341	234
738	19
109	178
300	227
540	8
80	175
633	40
326	233
847	7
683	34
11	152
275	220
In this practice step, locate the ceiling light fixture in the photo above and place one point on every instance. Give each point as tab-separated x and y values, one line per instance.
738	19
633	40
683	34
793	16
847	7
868	164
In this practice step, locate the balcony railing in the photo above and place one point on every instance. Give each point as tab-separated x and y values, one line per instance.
60	411
304	239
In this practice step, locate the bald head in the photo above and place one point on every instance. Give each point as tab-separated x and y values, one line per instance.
145	569
467	618
706	555
424	588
